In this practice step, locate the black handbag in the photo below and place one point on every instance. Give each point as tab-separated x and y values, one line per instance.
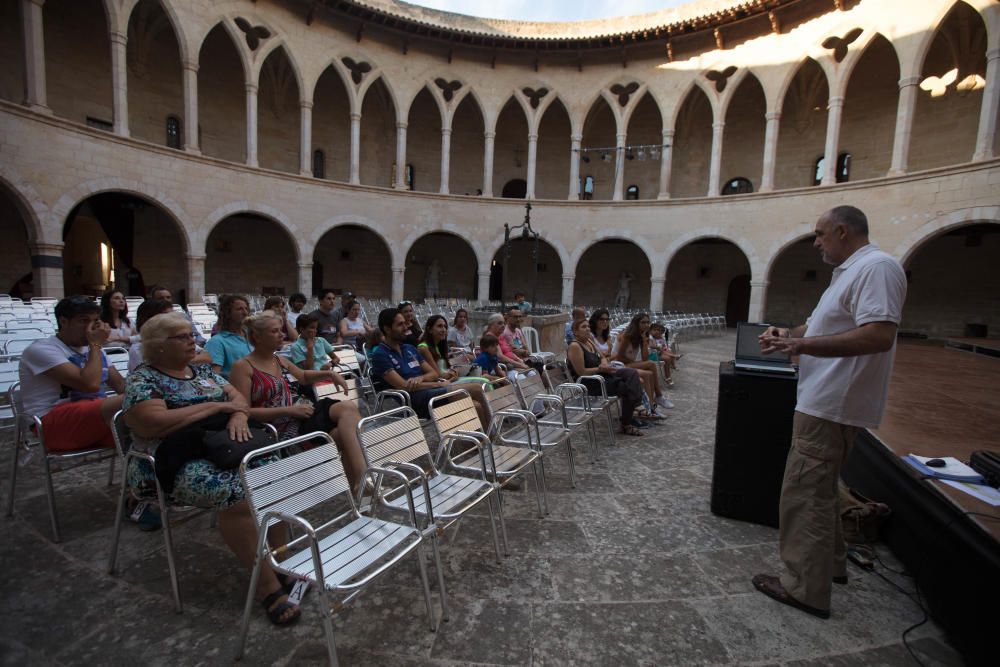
226	453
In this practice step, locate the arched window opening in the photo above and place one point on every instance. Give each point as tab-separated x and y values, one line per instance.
173	132
632	192
410	177
842	173
516	188
738	186
588	187
319	163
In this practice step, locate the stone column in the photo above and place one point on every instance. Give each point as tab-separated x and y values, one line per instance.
356	149
306	278
119	82
34	55
400	183
251	124
770	151
47	269
715	165
532	164
484	286
991	106
445	159
398	273
190	74
758	300
574	166
619	189
305	137
666	163
569	281
488	164
196	278
905	110
835	108
656	294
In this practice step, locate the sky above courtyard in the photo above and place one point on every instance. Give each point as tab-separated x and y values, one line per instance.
549	10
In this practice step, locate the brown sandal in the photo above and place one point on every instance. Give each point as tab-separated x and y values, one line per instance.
631	430
770	586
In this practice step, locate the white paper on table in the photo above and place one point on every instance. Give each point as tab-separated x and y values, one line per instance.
987	494
952	466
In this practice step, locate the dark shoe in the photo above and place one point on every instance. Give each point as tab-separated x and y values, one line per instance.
771	586
276	613
840	580
146	516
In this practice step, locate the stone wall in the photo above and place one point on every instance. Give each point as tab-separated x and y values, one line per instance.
248	254
699	275
355	259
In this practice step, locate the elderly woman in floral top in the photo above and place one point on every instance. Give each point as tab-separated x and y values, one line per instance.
166	395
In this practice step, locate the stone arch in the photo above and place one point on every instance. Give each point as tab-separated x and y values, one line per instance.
29	205
343	76
439	102
78	72
423	138
855	55
735	83
942	224
644	127
234	37
937	20
269	50
70	200
278	112
19	229
377	123
709	272
741	242
378	76
565	259
221	96
790	75
361	245
175	22
332	95
357	221
692	144
802	139
598	284
868	123
459	272
696	84
468	125
599	129
154	64
510	157
796	277
258	209
743	112
554	129
551	261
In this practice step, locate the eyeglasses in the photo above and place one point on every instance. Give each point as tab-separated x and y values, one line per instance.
182	337
603	319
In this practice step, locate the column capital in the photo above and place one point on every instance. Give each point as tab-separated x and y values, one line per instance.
41	248
305	104
195	258
909	81
772	115
835	102
401	125
355	116
576	137
118	37
569	276
190	65
719	125
620	138
760	284
532	136
250	87
668	134
490	136
446	131
399	269
305	265
484	274
993	54
655	280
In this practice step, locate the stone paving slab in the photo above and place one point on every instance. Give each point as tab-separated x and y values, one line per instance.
629	568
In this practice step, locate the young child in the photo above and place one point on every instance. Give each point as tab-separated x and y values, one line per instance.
487	359
659	350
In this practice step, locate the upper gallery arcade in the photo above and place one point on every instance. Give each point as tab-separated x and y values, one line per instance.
711	135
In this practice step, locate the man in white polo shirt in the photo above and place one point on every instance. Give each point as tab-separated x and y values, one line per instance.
846	350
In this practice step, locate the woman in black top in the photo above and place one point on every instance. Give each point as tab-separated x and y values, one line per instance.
413	331
586	359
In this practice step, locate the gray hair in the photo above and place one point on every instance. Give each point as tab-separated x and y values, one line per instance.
493	319
155	332
850	217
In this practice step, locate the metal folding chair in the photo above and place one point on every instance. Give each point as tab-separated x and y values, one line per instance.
576	397
551	409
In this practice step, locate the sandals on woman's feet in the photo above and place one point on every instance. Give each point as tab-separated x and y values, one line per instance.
277	613
631	430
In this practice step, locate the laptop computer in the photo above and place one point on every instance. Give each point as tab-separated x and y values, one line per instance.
750	359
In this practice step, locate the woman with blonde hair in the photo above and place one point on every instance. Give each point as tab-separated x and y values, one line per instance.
260	379
168	404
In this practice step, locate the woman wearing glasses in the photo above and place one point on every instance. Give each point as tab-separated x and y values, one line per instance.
632	349
600	330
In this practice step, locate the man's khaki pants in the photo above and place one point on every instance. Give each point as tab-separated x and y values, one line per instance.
810	537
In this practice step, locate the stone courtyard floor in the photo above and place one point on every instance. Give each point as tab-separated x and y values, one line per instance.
630	567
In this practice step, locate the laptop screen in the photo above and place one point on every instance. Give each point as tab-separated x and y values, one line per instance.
748	345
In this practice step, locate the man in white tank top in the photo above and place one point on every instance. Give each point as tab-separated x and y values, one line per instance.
846	350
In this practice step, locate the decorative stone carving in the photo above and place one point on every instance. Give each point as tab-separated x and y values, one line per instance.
254	34
535	96
448	88
358	70
720	78
624	92
839	44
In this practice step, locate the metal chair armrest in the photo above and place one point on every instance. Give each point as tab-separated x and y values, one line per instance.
600	379
460	436
382	472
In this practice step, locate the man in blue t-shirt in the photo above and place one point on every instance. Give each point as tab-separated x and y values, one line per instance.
399	365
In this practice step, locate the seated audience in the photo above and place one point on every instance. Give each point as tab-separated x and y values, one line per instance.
168	404
329	323
311	352
260	378
230	344
460	334
114	313
659	350
495	326
585	358
576	315
374	338
396	364
632	349
296	303
159	292
65	379
276	304
147	310
600	330
522	303
353	330
513	336
487	359
412	327
433	347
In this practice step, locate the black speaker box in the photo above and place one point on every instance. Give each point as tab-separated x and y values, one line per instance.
753	431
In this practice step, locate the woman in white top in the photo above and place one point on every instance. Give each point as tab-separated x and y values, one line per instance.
460	334
600	330
114	311
353	329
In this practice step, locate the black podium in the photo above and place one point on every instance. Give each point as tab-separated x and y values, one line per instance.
753	431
